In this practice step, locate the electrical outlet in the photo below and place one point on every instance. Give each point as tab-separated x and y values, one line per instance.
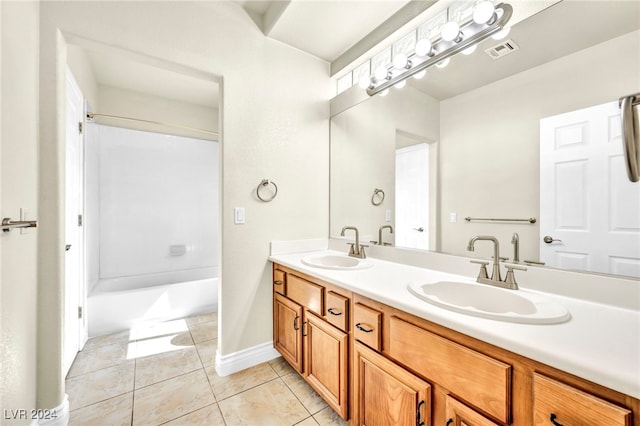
453	217
388	215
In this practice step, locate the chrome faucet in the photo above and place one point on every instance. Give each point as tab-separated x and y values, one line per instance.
515	240
483	278
389	227
356	250
495	274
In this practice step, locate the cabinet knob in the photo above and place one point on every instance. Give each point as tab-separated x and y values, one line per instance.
449	422
552	419
295	323
361	328
332	312
278	282
419	422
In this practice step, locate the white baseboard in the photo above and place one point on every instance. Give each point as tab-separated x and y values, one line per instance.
58	416
237	361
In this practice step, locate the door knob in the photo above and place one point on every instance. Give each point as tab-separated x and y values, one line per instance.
67	247
548	239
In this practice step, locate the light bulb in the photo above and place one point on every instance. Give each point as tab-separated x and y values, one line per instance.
401	62
381	73
469	50
420	74
400	84
364	82
443	63
483	13
450	31
501	34
385	92
424	47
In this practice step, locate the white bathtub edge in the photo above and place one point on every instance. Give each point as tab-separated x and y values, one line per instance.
237	361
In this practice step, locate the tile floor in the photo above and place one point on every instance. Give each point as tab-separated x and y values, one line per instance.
163	374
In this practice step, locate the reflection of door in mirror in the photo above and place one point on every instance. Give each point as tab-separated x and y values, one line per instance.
585	193
412	196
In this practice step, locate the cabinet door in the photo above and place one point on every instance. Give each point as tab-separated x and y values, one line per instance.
326	362
287	334
459	414
386	394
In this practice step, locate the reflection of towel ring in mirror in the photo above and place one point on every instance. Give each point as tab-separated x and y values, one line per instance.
264	183
379	194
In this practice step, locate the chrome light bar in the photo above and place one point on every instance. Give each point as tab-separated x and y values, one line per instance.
444	49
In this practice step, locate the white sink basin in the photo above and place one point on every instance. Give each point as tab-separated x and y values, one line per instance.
336	261
485	301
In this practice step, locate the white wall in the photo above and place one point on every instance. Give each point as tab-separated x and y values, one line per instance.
489	151
156	191
18	189
83	73
274	122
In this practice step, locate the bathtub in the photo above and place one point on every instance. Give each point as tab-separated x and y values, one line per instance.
118	304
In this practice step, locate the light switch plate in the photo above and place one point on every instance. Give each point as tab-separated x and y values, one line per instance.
238	215
453	217
388	215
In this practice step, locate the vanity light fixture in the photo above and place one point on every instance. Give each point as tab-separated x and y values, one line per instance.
487	21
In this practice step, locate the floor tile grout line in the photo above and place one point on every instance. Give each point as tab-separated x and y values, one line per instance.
247	389
298	398
95	371
98	402
170	378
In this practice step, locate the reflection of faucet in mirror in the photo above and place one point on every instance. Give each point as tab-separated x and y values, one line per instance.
356	249
515	240
390	228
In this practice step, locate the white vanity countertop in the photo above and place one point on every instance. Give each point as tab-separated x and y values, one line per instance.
600	343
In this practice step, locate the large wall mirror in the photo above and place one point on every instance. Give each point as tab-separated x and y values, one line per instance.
466	142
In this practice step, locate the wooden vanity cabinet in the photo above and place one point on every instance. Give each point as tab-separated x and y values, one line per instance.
458	414
557	402
403	369
287	326
387	394
313	338
326	362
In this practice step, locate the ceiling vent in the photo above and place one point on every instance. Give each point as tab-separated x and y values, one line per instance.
502	49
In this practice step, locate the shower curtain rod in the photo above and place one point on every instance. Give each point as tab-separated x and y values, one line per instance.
92	115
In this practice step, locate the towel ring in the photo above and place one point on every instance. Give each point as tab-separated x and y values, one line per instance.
376	193
265	183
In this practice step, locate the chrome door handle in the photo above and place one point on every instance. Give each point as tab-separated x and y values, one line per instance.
548	239
421	229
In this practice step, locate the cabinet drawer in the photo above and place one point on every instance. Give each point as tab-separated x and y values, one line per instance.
305	293
367	326
570	406
280	281
337	310
476	378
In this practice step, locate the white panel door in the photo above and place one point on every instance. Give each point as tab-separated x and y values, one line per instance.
587	205
412	196
74	288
